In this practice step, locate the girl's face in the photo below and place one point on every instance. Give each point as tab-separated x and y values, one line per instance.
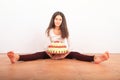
58	21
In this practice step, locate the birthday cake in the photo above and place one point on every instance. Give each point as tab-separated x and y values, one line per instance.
57	47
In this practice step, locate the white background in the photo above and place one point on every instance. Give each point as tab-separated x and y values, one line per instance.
94	25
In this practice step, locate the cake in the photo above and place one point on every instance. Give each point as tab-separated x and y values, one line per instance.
57	47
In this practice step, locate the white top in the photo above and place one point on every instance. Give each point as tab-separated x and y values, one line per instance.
54	37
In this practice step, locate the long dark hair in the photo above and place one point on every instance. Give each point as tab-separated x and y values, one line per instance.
63	26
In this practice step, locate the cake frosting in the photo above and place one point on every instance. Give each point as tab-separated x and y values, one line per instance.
57	47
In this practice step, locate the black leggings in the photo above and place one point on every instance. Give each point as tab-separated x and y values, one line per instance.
43	55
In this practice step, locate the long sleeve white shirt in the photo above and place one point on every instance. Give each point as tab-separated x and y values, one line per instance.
53	37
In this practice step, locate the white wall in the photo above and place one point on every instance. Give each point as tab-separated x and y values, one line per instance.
94	25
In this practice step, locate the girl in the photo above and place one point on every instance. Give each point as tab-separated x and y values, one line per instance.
57	31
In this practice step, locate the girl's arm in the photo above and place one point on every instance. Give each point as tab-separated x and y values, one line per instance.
47	42
67	43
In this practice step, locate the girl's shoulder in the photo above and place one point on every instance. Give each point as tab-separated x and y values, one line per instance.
51	32
51	29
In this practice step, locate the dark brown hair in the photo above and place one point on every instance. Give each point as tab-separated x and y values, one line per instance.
63	26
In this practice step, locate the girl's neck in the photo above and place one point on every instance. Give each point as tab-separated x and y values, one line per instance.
57	31
57	28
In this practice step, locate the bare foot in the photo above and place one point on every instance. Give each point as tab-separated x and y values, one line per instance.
101	58
12	57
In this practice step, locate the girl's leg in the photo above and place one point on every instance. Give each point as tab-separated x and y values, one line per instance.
82	57
34	56
27	57
78	56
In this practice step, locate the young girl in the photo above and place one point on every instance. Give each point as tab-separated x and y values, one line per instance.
57	31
